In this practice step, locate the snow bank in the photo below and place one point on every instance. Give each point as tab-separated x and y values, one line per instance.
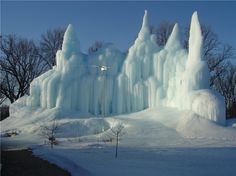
82	127
193	126
110	82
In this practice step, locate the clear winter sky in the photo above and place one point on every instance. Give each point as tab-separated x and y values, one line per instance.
116	22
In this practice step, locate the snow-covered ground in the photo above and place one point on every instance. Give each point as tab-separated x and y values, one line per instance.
160	141
144	161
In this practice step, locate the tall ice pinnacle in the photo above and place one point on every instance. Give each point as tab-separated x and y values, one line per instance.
195	40
144	31
145	20
195	66
173	42
70	42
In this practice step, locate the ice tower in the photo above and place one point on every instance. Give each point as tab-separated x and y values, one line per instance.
147	76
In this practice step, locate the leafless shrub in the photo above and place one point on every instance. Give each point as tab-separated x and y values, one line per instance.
49	132
116	133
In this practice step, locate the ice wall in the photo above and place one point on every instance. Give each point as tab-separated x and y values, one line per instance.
140	84
110	82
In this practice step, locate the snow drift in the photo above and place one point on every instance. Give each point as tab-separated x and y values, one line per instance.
110	82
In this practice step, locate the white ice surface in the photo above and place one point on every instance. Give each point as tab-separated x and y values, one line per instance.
148	76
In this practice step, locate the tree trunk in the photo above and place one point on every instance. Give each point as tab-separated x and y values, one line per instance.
117	145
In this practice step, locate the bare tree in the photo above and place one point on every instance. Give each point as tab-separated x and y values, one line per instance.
20	63
218	62
226	85
117	132
50	42
2	98
4	112
49	132
162	32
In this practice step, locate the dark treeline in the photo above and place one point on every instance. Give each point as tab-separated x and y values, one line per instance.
22	60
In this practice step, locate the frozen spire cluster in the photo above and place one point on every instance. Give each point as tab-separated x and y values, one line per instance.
147	77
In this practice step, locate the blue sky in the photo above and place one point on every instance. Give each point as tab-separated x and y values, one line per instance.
116	22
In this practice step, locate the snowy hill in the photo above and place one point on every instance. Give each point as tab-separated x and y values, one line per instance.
159	127
162	141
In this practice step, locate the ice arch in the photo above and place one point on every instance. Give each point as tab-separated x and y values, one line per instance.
148	76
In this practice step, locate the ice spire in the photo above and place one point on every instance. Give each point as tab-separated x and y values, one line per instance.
70	42
195	40
195	66
144	31
173	42
145	20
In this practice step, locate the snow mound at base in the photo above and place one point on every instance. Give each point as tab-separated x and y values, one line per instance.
191	125
206	104
82	127
161	127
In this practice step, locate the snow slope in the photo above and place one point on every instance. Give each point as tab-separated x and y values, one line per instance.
164	141
140	162
157	127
